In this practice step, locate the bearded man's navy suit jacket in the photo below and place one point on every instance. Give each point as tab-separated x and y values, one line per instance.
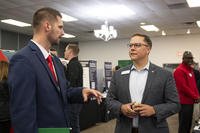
37	101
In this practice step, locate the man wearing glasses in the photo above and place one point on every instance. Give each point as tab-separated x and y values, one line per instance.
187	90
142	95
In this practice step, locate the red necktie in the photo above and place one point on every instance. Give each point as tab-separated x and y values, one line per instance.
50	64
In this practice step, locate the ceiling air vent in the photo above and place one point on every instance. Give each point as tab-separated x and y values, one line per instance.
189	23
89	31
178	6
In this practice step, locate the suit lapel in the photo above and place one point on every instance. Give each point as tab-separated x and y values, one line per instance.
150	80
39	55
126	82
59	74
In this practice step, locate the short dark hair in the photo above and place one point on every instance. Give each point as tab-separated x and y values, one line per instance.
187	54
74	48
44	13
52	49
117	67
146	38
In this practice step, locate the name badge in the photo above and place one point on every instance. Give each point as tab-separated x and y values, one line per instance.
190	74
125	72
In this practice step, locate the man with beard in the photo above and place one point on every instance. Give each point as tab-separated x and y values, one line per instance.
40	93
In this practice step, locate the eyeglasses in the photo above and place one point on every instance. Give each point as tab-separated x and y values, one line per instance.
136	45
188	57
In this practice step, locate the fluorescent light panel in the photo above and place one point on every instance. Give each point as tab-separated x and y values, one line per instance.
150	28
68	18
15	22
68	36
193	3
142	23
109	11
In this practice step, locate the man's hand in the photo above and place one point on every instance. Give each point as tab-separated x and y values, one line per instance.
91	92
144	110
127	110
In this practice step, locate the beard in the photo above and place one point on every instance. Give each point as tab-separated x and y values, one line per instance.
54	44
54	40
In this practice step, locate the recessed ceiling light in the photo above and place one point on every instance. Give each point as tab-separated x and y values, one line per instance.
108	11
68	36
150	28
68	18
15	22
163	33
198	23
188	31
193	3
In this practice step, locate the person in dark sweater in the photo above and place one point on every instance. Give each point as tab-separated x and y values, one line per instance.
196	75
5	123
74	74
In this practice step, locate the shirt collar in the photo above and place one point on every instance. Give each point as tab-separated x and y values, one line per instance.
144	68
42	49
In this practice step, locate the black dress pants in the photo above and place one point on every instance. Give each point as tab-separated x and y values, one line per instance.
74	112
185	118
134	130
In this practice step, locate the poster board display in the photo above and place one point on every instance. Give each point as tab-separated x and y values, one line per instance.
108	73
89	73
123	63
170	66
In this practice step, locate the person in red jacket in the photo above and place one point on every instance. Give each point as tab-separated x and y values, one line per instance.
187	90
3	57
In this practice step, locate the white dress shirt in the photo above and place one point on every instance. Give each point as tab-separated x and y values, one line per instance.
45	54
137	82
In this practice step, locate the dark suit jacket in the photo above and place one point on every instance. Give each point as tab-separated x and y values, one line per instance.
36	99
160	92
74	74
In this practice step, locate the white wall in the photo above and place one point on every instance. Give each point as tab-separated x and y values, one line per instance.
165	50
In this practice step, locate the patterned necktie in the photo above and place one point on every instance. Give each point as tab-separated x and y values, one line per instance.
50	64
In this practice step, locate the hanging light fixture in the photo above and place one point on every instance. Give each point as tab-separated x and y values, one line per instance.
106	32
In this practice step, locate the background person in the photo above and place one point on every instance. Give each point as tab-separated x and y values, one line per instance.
54	51
187	90
2	56
115	68
196	75
74	74
5	123
142	95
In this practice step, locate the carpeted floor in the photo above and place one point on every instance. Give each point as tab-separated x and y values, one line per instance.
108	127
